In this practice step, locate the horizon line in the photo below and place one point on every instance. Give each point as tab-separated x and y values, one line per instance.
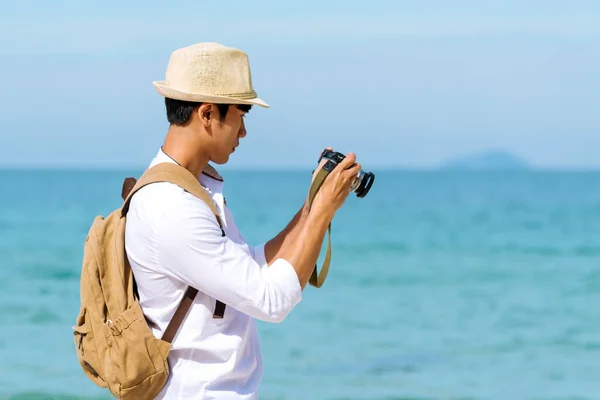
296	168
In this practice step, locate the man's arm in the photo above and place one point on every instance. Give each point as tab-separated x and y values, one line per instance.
307	244
304	251
284	239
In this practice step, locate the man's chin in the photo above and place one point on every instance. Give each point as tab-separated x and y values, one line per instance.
221	161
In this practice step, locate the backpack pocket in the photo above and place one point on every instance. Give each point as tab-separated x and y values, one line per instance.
136	354
85	347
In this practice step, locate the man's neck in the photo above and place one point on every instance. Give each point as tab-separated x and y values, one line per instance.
182	146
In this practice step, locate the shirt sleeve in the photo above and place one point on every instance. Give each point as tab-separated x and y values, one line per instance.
191	247
258	254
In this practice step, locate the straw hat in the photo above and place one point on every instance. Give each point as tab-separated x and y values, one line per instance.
209	72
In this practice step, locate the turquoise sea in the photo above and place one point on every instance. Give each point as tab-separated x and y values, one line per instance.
443	285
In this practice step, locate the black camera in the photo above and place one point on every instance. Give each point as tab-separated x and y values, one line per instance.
363	181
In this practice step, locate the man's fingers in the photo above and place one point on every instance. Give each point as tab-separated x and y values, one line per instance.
348	161
355	168
352	172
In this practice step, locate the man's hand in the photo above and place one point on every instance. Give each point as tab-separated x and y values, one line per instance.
336	187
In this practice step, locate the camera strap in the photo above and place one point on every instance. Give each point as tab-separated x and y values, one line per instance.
318	278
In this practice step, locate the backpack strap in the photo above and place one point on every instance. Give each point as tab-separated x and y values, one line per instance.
173	173
182	177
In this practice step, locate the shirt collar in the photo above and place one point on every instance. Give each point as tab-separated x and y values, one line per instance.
209	178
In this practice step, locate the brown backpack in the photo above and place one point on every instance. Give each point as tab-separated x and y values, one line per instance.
115	346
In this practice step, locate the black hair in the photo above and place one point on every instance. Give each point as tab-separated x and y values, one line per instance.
179	112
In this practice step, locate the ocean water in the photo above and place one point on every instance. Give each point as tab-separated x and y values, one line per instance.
443	285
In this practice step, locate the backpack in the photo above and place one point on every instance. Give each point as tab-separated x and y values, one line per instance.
114	344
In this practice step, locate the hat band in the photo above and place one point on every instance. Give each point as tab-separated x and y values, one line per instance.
242	96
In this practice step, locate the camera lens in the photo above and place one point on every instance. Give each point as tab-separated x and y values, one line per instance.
366	181
357	181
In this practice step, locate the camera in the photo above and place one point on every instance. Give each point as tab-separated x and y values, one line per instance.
363	181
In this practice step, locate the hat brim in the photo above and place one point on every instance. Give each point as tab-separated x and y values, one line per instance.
167	91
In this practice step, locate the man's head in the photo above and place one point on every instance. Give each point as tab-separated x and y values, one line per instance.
208	90
219	127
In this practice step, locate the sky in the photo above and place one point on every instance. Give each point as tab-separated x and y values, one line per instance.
400	83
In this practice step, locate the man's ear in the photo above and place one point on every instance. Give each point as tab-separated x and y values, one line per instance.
205	113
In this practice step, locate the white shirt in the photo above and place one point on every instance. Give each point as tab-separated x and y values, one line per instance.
173	240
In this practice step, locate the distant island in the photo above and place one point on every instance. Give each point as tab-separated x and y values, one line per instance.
487	160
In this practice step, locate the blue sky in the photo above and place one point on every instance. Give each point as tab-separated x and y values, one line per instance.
401	83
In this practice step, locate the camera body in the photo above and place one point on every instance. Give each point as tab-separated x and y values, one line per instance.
363	181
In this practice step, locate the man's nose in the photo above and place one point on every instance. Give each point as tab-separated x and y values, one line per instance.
242	132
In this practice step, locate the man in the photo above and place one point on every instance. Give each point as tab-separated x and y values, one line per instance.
173	240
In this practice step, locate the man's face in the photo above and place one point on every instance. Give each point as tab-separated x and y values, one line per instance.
227	132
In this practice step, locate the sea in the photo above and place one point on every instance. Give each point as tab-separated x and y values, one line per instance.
443	285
